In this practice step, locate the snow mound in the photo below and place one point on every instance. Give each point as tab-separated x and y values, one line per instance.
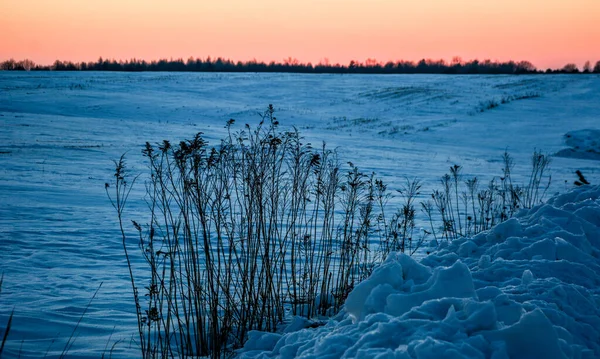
584	144
528	288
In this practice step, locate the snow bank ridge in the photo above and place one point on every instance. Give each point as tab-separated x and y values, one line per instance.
528	288
583	144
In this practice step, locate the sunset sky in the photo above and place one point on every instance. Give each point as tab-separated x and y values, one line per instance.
549	33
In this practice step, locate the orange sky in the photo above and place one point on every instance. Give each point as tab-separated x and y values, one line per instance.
549	33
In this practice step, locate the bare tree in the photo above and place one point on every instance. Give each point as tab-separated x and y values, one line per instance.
570	68
526	66
8	65
26	64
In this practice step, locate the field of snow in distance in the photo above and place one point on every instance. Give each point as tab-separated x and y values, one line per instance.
60	132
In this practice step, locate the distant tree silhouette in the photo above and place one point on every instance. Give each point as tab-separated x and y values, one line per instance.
526	66
597	67
291	64
372	63
23	65
587	67
570	68
457	60
8	65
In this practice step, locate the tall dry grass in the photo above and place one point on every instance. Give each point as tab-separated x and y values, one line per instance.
263	225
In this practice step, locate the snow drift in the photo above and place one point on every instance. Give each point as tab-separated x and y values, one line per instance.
528	288
583	144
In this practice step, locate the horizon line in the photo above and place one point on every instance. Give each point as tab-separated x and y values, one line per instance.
369	63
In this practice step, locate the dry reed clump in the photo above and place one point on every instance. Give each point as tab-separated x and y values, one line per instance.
465	207
8	323
263	225
243	233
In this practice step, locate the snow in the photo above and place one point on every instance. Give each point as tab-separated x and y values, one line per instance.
59	237
527	289
583	144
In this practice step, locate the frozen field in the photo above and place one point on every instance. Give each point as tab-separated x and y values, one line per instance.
60	132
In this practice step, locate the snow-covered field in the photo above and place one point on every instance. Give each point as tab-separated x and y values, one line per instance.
59	237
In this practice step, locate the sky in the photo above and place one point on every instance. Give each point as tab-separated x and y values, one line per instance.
549	33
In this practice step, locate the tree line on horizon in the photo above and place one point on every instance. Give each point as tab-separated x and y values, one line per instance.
371	66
